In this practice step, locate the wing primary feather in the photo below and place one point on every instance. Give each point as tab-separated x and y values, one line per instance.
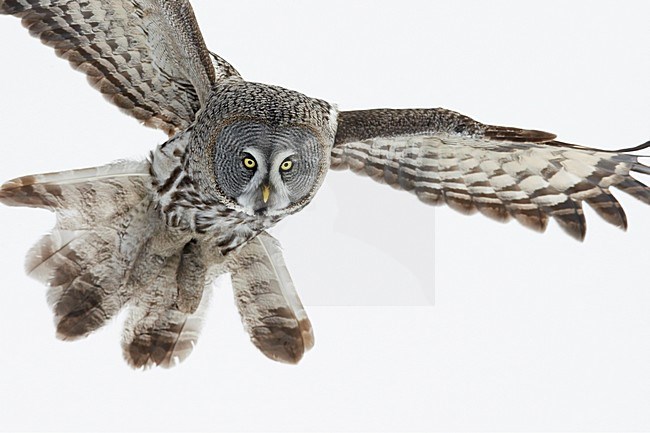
161	74
85	259
517	135
642	146
635	188
500	171
606	205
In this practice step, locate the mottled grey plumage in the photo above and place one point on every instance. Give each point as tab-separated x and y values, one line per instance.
152	236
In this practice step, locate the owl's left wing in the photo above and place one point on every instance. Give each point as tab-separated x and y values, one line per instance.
445	157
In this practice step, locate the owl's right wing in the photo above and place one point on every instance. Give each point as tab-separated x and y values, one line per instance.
147	57
446	158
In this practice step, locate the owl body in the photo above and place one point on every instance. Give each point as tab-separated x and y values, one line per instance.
152	236
196	232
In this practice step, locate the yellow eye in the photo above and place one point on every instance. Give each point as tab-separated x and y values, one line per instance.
249	163
286	165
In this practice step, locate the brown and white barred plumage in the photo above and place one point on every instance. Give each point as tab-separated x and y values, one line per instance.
447	158
146	56
151	236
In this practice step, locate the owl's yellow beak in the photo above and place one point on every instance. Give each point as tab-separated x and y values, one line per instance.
266	192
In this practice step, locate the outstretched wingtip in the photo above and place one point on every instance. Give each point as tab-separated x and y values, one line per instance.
6	191
22	192
638	166
11	185
642	146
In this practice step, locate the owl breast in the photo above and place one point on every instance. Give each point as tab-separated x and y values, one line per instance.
185	208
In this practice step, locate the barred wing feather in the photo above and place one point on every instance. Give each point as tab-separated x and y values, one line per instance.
85	260
268	302
107	252
146	56
446	158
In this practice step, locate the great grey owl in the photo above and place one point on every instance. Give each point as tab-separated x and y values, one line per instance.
151	236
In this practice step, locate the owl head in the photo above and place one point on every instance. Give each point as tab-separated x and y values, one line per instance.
262	149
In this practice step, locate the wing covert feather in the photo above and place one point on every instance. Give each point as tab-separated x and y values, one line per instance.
146	56
447	158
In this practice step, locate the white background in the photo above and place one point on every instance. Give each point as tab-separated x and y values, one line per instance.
528	331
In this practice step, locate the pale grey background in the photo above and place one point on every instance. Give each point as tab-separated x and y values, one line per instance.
528	332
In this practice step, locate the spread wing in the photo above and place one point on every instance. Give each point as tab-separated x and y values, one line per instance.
444	157
146	56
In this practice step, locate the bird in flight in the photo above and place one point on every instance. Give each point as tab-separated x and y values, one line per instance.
151	236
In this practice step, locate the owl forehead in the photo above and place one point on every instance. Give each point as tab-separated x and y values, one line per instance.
273	106
246	135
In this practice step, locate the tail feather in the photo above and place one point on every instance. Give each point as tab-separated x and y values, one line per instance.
164	337
268	302
157	332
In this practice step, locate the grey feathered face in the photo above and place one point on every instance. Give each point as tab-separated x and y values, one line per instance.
266	169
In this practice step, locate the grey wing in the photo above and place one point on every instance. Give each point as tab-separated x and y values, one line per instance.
146	56
447	158
267	300
108	251
85	260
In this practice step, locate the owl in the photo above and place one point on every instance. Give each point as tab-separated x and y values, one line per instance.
151	236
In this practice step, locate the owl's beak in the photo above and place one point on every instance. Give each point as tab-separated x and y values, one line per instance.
266	193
